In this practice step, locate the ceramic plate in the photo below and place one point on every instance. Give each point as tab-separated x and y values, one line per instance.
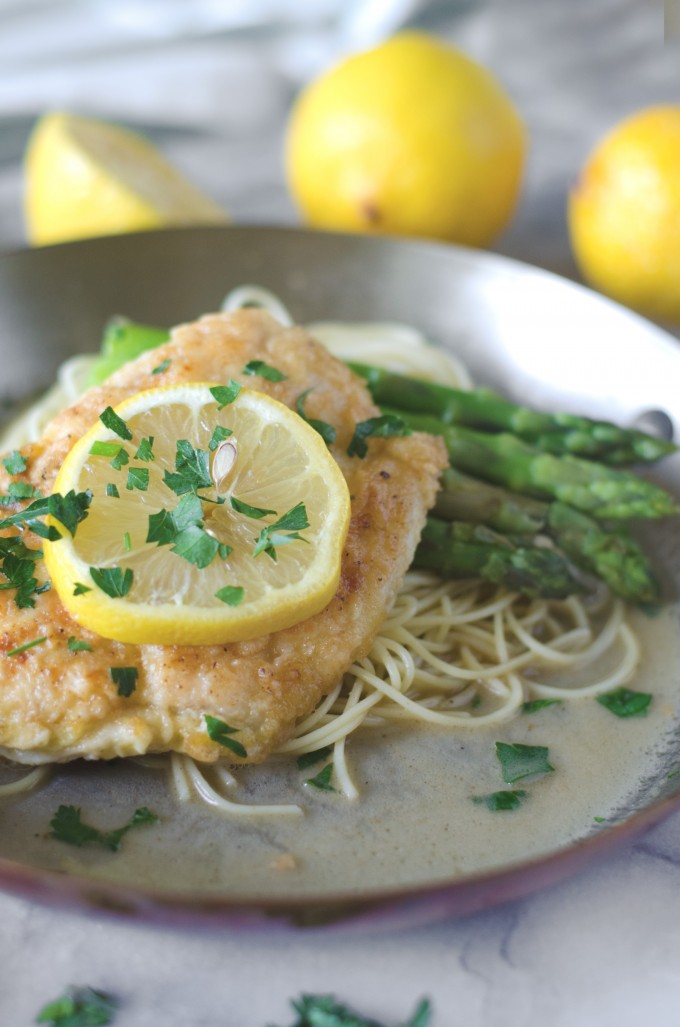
413	848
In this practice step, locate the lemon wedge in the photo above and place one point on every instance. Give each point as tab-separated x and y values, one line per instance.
85	177
217	515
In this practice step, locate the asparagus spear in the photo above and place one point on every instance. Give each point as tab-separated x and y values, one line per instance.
606	492
482	408
612	555
472	551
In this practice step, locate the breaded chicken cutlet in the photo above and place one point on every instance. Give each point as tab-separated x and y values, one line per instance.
56	704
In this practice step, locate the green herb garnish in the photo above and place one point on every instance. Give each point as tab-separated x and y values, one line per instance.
14	462
115	581
68	827
232	595
505	800
114	423
145	449
323	779
385	426
26	645
625	703
534	705
518	761
325	1011
162	367
325	430
137	478
80	589
112	490
219	435
125	680
308	759
221	733
225	394
76	645
272	374
283	531
79	1007
192	469
256	512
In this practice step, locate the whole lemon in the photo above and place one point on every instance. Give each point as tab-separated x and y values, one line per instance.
409	138
624	214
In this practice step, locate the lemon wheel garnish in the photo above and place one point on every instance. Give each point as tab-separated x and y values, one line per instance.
212	523
85	177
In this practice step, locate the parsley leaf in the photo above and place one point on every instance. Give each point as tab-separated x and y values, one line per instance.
79	589
195	545
17	490
166	524
114	423
137	478
26	645
325	430
219	435
113	580
17	563
70	509
225	394
623	702
68	827
292	522
325	1011
76	645
308	759
518	761
145	449
323	779
505	800
162	367
539	704
79	1007
221	733
256	512
112	490
272	374
192	469
232	595
14	462
385	426
125	680
100	448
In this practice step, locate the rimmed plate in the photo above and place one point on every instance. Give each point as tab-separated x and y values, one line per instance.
413	848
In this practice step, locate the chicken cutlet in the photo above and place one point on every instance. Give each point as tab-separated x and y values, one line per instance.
58	705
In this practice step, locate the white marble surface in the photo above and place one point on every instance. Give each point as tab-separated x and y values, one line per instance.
598	950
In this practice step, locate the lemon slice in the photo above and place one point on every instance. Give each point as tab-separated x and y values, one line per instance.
85	177
226	522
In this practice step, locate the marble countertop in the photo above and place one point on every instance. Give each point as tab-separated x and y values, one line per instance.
599	949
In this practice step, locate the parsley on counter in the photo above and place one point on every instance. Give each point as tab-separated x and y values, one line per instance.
292	523
79	1007
623	702
221	733
323	780
534	705
26	645
68	827
518	761
76	645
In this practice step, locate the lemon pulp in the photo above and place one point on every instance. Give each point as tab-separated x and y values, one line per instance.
272	461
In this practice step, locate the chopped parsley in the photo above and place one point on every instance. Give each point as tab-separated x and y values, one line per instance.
112	490
308	759
504	800
519	761
385	426
534	705
17	563
325	430
192	469
225	394
182	528
325	1011
127	542
26	645
219	435
221	733
114	423
125	680
286	529
119	454
115	581
18	490
76	645
68	827
272	374
232	595
14	462
323	780
257	512
195	545
623	702
162	367
120	459
145	449
79	589
79	1007
137	478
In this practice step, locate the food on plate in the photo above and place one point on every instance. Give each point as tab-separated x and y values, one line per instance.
121	700
409	138
624	213
85	177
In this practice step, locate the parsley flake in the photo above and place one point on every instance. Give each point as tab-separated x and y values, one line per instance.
162	366
26	645
79	1007
14	462
232	595
272	374
195	545
77	645
79	589
112	490
219	435
225	394
323	780
18	490
324	1011
308	759
114	423
17	563
623	702
325	430
256	512
518	761
125	680
120	459
115	581
192	469
145	449
534	705
68	827
292	522
385	426
221	733
137	478
504	800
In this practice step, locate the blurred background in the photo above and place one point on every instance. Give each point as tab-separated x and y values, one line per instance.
211	83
